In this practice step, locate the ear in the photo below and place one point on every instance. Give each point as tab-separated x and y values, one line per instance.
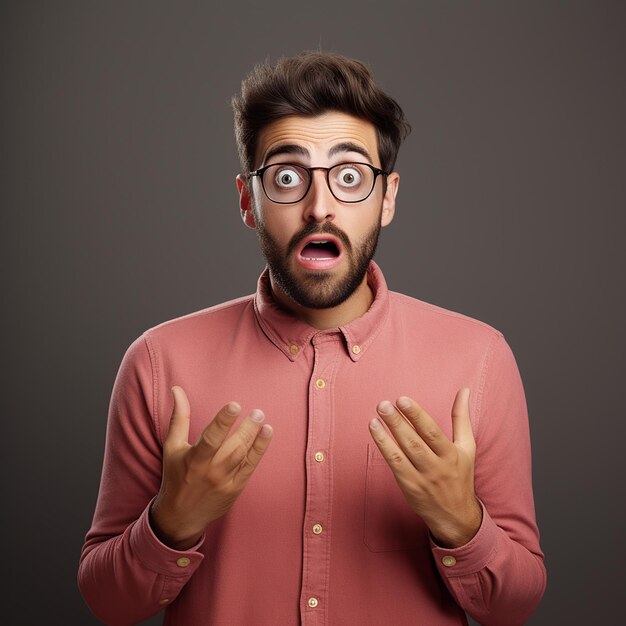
245	202
389	200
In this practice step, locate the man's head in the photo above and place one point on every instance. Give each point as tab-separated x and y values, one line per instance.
310	84
317	141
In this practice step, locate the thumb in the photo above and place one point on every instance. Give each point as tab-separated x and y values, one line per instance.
178	432
461	424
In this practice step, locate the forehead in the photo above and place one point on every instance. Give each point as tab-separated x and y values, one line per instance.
318	134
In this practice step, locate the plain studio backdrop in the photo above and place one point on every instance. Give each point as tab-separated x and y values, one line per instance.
119	211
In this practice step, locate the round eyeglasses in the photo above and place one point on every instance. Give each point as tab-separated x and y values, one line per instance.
287	183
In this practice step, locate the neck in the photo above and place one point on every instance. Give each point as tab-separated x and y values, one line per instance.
351	308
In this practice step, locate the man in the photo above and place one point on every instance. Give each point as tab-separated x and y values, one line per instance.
357	505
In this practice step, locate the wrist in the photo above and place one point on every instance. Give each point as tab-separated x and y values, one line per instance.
458	531
175	539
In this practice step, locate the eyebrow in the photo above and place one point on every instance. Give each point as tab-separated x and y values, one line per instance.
349	146
289	148
292	148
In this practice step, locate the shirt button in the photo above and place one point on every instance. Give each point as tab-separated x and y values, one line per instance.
356	349
293	348
320	383
164	601
319	456
317	529
183	561
313	602
449	561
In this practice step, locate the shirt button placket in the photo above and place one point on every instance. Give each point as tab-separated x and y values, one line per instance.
316	553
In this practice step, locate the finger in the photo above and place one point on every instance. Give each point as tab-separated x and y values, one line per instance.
235	450
216	432
395	421
391	451
425	425
257	450
407	438
178	433
461	423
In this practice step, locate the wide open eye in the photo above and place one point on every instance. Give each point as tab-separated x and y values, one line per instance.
349	176
287	177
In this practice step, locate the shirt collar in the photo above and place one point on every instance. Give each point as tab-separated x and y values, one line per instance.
290	334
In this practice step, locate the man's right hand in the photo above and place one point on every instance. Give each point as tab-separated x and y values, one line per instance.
201	481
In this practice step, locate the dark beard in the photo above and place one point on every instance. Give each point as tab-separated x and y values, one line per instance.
319	290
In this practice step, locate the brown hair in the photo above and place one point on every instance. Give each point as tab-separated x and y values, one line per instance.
310	84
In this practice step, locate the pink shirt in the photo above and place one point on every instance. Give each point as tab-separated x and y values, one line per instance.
322	533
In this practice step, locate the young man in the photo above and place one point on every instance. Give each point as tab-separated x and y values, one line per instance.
330	515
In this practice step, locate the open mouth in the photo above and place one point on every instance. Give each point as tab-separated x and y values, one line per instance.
320	252
323	249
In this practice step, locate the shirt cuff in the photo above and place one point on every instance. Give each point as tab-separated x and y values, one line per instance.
474	555
157	556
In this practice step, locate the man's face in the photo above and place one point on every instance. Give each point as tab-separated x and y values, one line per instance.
318	249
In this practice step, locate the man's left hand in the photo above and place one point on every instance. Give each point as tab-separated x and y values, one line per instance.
435	474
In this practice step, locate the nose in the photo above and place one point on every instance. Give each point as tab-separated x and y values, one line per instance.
319	203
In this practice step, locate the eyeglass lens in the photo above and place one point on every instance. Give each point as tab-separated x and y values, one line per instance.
349	182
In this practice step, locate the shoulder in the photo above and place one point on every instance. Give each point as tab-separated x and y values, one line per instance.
435	319
442	334
192	328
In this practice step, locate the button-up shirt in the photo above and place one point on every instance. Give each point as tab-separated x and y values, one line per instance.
322	533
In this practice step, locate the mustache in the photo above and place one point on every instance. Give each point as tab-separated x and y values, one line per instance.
327	228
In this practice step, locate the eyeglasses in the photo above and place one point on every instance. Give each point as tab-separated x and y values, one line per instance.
288	183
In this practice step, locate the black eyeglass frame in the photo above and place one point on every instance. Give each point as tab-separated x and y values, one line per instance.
377	172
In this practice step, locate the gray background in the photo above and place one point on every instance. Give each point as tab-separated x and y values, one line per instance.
119	211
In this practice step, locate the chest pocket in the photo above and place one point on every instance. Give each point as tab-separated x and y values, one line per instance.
390	524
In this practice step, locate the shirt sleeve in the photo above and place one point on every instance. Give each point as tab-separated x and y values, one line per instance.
499	577
125	573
